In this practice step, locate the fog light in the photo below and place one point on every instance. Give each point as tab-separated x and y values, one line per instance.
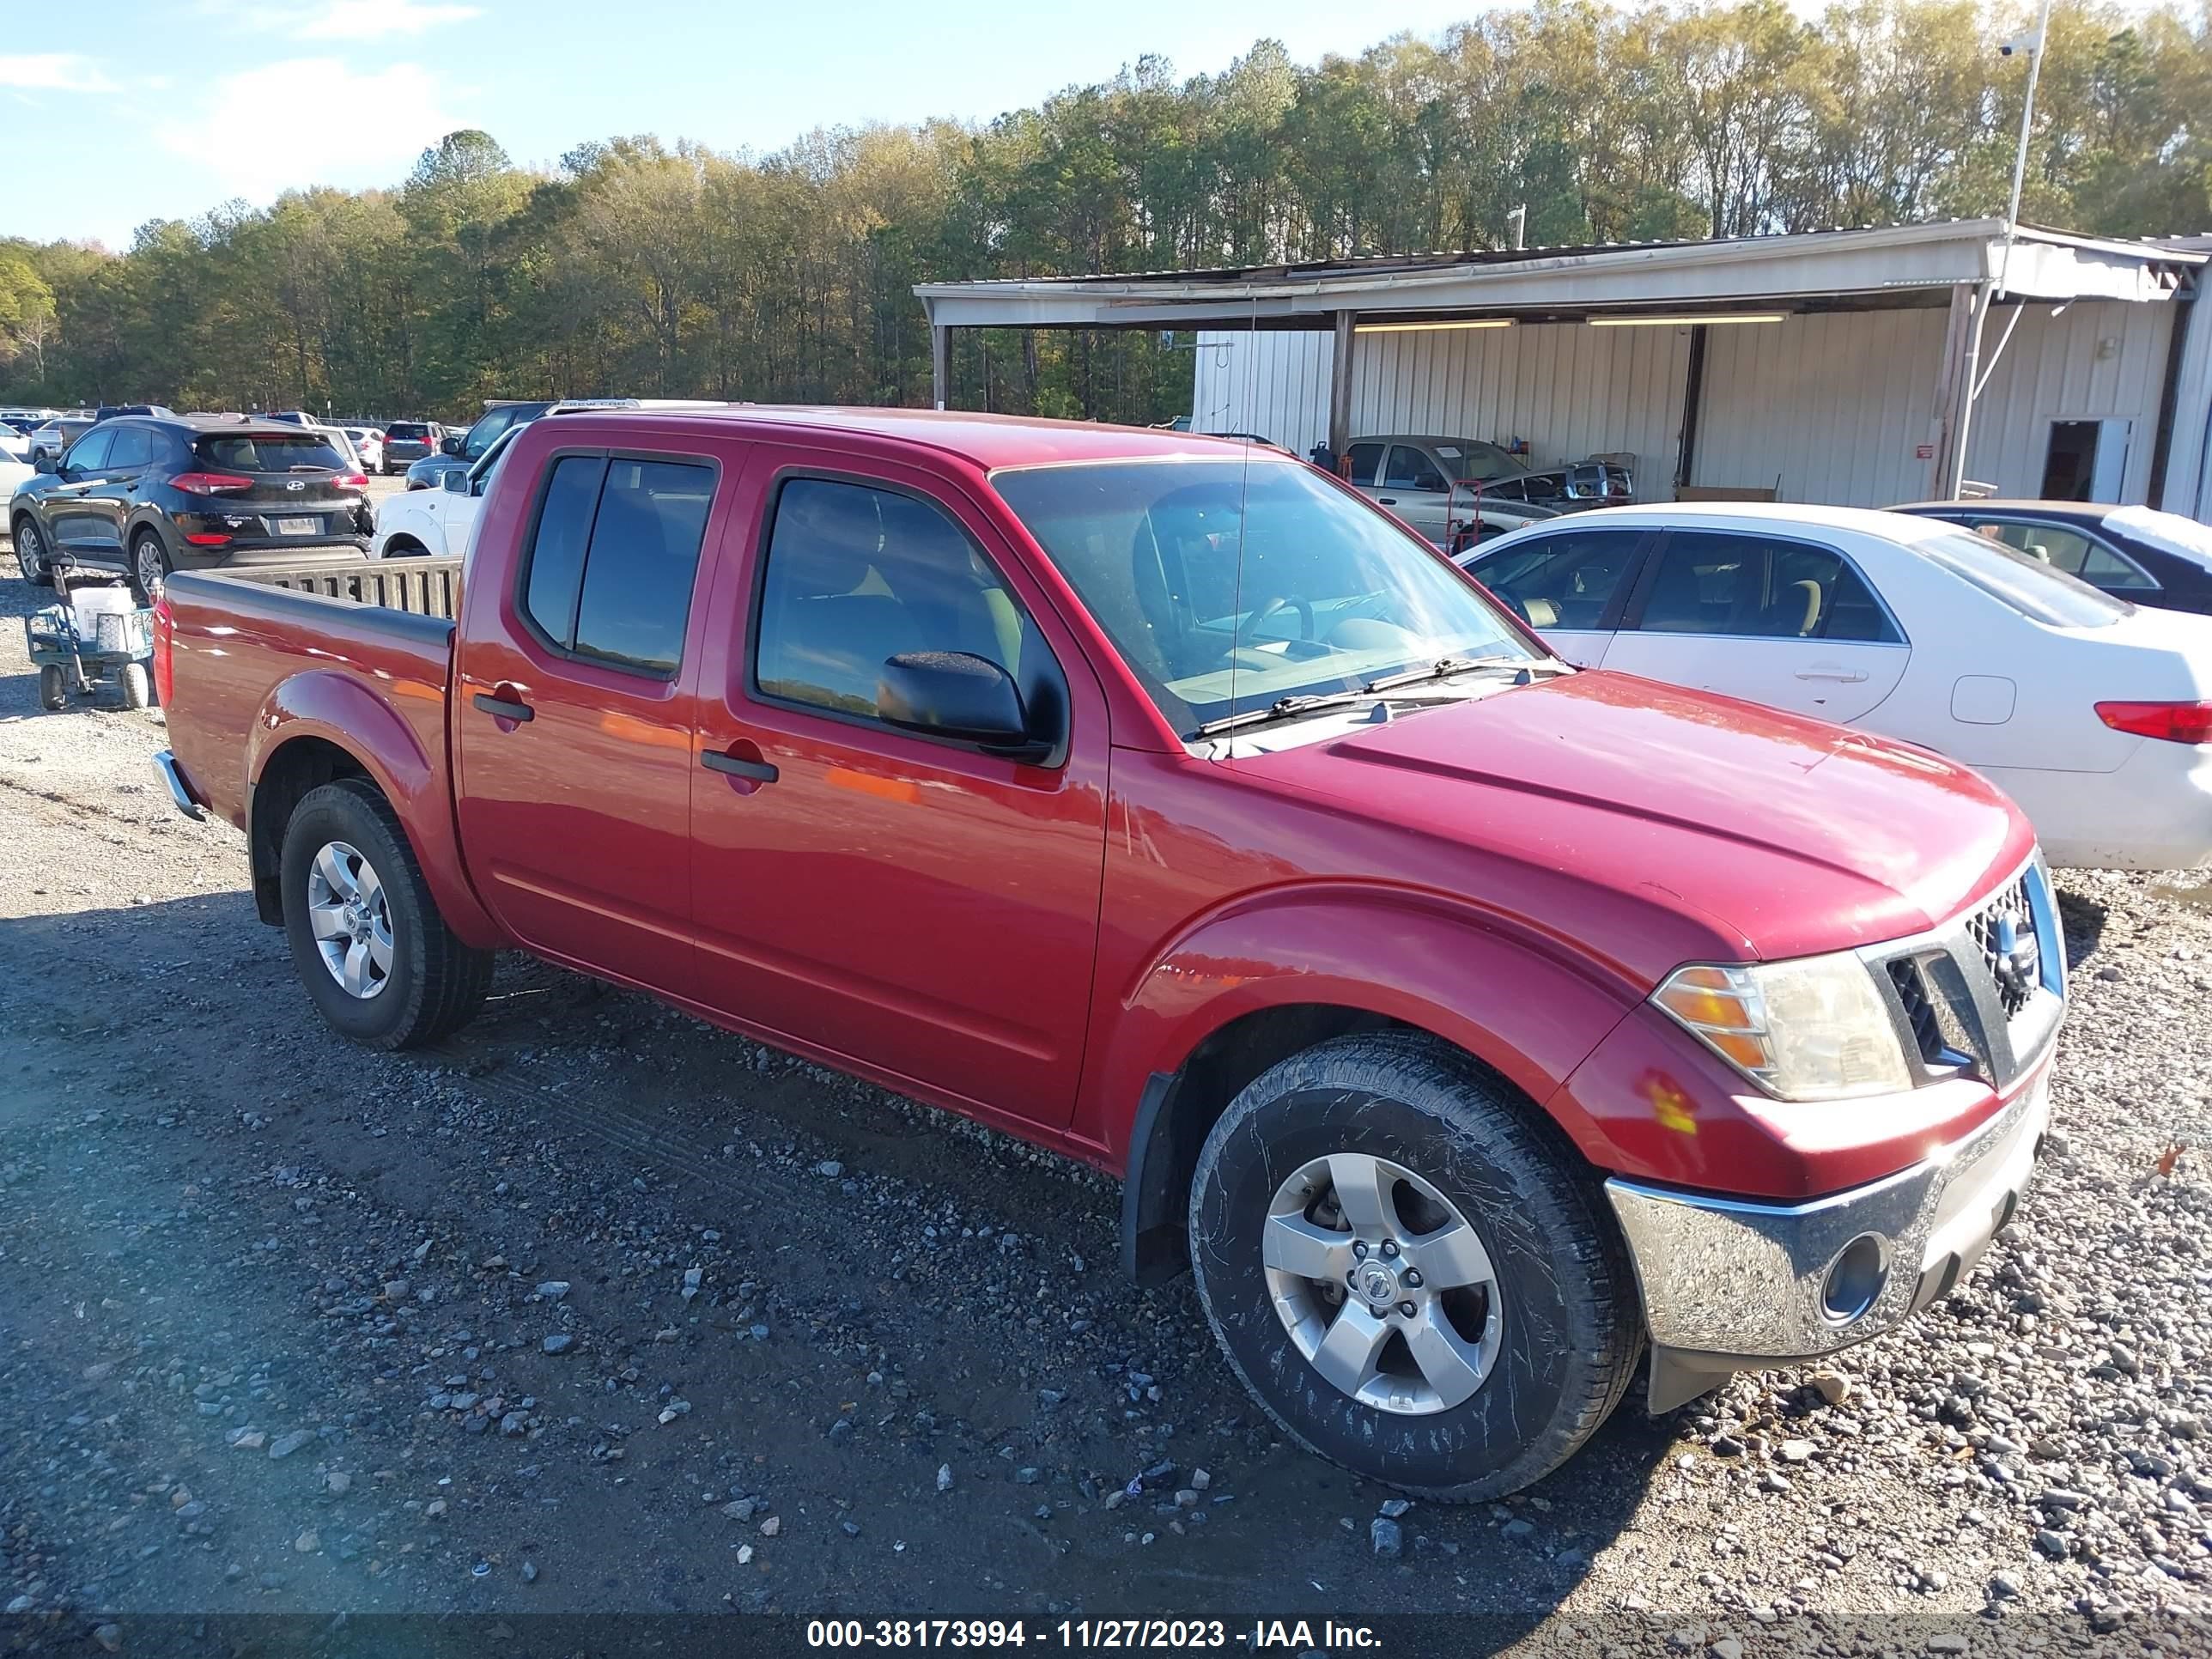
1855	1278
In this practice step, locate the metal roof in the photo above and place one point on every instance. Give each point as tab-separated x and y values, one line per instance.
1797	267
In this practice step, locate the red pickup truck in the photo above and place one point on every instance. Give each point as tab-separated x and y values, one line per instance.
1470	1025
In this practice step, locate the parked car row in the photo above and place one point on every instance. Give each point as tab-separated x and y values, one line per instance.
1473	1025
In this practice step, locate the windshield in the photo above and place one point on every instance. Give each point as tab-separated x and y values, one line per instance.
486	463
1327	596
1469	459
2039	591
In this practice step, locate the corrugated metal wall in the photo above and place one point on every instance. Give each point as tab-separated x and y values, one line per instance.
1825	408
2094	361
1830	408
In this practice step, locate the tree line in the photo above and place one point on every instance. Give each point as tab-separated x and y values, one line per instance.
642	268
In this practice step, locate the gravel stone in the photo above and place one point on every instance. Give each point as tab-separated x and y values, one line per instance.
1389	1539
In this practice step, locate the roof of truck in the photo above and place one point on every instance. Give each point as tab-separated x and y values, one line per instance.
990	442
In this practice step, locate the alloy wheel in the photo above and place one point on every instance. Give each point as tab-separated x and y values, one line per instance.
1382	1284
350	915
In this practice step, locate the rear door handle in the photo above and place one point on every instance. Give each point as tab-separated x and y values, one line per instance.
1387	500
757	771
1829	671
505	708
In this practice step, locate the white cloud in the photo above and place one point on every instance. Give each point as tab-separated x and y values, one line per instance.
377	123
53	71
359	20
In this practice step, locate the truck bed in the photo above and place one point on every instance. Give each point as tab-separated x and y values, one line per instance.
425	588
262	657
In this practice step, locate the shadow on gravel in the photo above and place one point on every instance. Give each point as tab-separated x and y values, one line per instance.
882	1292
2082	921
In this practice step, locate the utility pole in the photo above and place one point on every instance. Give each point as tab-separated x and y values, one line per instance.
2033	44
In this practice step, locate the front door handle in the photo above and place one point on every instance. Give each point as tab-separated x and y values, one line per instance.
1387	500
505	708
752	769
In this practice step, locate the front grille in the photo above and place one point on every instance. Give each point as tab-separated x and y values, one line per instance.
2008	912
1919	1008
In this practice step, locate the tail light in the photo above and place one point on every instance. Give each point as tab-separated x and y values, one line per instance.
165	669
210	483
351	481
2172	722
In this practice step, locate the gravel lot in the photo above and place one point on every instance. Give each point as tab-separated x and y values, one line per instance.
600	1310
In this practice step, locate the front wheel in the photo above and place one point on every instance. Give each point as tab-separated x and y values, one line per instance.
31	552
53	688
367	938
136	689
1409	1269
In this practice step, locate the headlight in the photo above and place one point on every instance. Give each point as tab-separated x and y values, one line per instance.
1814	1029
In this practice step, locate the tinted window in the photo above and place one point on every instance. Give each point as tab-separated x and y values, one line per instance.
1227	586
89	452
1750	588
272	452
2068	550
132	446
1365	459
556	551
405	430
1411	470
1564	580
855	575
644	554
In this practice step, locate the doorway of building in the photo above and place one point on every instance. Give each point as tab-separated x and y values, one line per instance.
2085	460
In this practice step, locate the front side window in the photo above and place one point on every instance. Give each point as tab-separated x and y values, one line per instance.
1752	587
613	560
1226	588
856	575
132	447
1411	470
89	452
1562	581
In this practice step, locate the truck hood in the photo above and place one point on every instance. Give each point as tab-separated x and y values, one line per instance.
1774	835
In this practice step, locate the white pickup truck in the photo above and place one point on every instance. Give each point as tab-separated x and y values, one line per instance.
441	521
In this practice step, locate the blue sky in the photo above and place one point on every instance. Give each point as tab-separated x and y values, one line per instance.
178	105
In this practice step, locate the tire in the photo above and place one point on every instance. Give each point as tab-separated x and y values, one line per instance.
150	566
53	688
429	984
31	552
136	688
1545	1346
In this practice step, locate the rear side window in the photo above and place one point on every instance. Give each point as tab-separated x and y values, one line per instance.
613	562
1364	458
1564	580
1750	587
133	445
271	451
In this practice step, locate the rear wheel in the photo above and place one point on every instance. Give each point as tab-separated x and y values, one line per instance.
149	566
53	688
1409	1270
31	552
136	687
367	938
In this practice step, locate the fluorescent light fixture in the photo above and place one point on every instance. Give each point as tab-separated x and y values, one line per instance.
1412	328
1687	322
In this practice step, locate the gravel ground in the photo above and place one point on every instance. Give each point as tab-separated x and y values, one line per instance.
596	1308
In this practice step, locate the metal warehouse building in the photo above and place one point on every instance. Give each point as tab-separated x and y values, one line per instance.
1848	367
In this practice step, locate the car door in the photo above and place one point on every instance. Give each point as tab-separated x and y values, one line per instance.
1781	620
72	521
574	729
1415	489
916	907
108	502
1569	585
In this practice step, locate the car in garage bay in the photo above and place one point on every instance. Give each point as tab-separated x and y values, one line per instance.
2150	557
2093	713
1435	483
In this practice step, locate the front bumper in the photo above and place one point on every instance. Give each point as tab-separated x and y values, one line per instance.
1730	1285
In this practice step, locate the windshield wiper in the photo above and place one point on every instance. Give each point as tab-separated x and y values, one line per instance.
1390	685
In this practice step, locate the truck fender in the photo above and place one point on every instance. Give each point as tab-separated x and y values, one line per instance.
1265	977
342	711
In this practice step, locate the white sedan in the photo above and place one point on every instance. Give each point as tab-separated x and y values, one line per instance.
442	520
2094	715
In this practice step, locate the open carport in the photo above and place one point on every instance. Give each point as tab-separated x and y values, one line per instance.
1858	367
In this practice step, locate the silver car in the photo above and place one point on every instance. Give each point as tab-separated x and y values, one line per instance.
1460	491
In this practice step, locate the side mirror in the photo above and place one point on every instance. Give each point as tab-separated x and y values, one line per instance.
449	445
455	480
956	695
45	461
